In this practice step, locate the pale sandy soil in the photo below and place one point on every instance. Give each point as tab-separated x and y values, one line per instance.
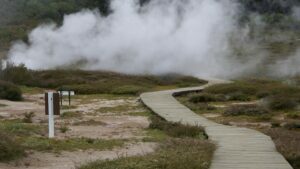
110	125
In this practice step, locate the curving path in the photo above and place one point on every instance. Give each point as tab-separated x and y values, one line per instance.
237	148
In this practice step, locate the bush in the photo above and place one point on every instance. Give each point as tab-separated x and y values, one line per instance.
176	129
248	110
9	148
28	117
10	91
129	90
206	97
282	102
237	96
292	125
16	74
237	87
293	115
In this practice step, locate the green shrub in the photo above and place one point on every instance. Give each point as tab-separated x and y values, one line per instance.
293	115
9	148
176	129
16	74
10	91
206	97
237	87
292	125
238	96
282	102
275	124
262	94
248	110
129	90
63	129
28	117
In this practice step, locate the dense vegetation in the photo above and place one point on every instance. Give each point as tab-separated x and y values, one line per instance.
95	82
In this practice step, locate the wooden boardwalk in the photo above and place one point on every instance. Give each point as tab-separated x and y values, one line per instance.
237	148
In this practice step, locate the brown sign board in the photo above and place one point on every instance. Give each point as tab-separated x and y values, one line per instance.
56	106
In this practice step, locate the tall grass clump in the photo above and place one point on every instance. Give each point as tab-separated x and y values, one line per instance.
247	110
9	148
173	154
287	143
176	129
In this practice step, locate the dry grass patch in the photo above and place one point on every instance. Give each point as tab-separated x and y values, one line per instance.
287	143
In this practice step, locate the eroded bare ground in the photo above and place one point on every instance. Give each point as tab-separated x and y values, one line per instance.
95	116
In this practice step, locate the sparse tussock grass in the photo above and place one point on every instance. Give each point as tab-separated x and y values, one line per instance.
282	102
248	110
28	117
70	114
206	97
17	127
9	148
287	143
278	95
173	154
176	129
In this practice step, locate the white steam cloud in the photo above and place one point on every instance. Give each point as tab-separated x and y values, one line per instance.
180	36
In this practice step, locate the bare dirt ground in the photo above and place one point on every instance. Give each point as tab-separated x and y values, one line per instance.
97	117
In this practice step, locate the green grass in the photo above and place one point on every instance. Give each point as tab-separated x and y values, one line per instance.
31	90
10	149
72	144
17	127
155	135
173	154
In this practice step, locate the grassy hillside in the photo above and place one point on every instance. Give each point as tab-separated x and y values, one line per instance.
95	82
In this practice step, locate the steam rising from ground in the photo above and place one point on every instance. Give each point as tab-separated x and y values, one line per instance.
183	36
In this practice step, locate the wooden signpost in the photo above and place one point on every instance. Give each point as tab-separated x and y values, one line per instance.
52	108
66	93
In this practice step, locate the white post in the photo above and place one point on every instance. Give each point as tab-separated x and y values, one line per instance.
51	114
